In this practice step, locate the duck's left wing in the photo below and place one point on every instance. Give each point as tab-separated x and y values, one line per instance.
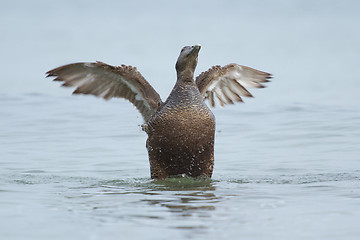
228	84
106	81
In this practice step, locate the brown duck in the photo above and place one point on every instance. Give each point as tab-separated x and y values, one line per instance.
180	130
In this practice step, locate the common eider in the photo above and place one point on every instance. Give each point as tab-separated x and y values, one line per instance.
180	130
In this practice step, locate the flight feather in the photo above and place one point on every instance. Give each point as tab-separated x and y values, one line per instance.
106	81
228	84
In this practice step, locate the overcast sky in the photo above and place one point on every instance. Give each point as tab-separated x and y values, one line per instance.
311	47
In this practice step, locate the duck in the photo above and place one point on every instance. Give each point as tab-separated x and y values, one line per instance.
181	130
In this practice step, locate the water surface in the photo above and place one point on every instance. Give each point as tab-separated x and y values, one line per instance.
78	168
286	163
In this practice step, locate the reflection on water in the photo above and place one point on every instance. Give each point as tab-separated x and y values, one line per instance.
190	196
185	197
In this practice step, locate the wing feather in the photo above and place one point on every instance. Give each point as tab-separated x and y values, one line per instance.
229	83
106	81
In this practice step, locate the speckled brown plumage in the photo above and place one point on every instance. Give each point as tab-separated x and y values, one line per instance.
181	130
181	135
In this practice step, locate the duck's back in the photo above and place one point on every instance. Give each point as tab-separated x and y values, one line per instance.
181	135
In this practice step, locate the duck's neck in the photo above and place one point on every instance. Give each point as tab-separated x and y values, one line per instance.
186	76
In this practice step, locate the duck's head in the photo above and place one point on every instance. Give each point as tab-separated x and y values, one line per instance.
187	60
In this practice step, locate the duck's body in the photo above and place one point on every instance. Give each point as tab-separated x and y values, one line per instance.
181	130
181	135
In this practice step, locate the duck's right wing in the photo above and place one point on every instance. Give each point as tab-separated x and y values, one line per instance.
103	80
227	84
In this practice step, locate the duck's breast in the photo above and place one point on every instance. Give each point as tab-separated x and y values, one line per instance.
181	137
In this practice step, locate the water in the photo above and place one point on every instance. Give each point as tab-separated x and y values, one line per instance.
286	163
82	172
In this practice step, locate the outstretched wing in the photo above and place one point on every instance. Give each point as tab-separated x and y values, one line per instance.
103	80
228	84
